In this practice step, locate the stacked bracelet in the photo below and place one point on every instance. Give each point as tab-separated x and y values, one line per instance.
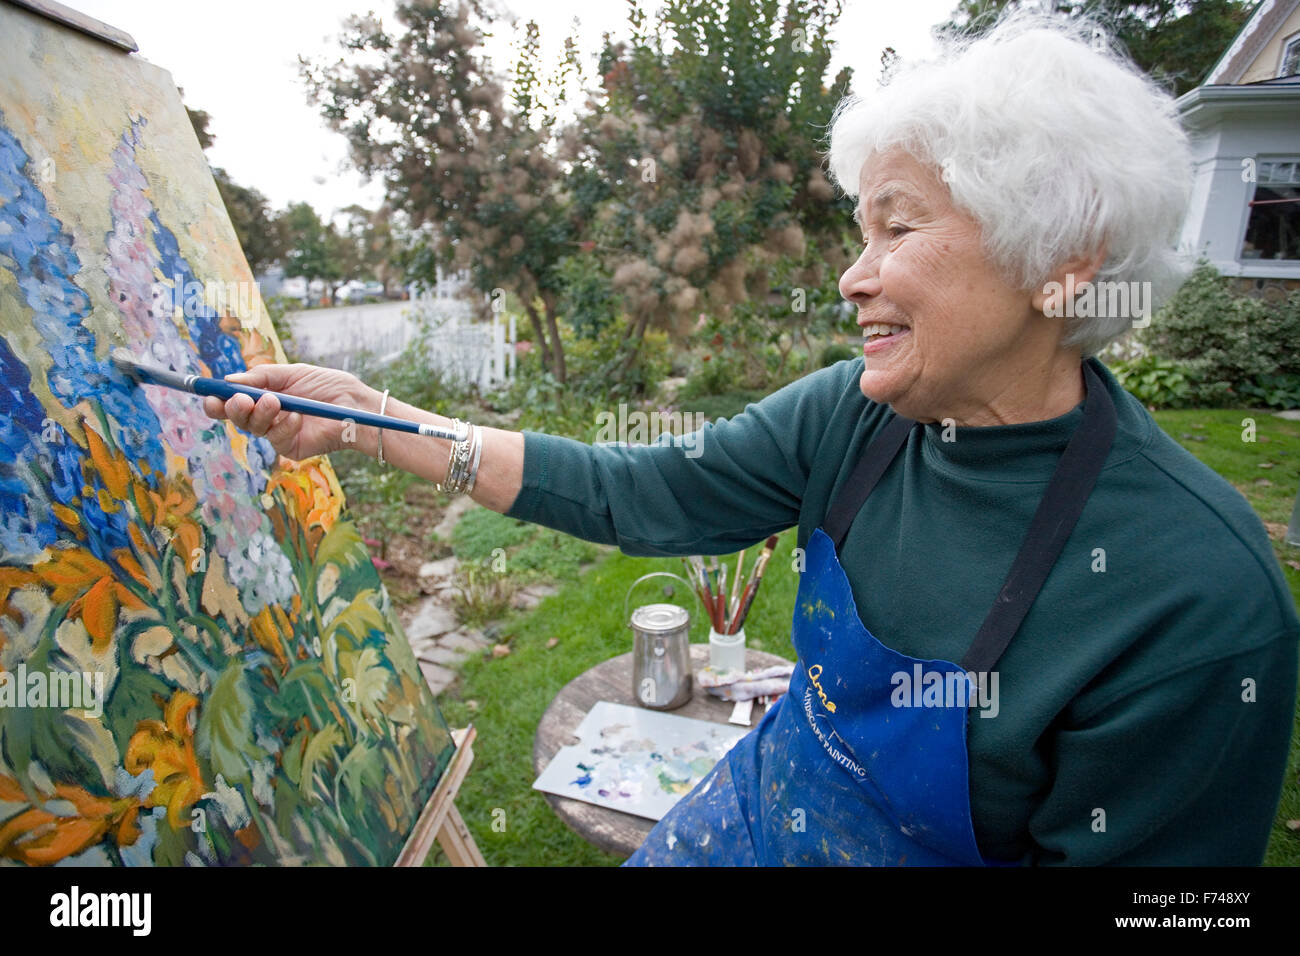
462	465
382	405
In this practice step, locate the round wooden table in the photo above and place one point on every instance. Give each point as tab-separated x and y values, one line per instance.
612	830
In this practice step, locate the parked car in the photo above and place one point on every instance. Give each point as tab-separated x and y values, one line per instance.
355	291
295	287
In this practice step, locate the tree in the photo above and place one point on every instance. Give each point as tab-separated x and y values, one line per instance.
1175	41
313	248
375	242
691	179
700	173
261	234
422	108
200	120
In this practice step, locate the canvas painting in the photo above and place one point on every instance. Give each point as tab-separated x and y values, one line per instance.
198	662
636	760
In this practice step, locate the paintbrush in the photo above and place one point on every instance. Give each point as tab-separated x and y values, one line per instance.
706	593
713	569
735	587
756	578
198	385
697	582
722	597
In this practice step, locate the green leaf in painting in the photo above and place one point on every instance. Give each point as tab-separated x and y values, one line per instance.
342	545
225	733
363	773
322	745
358	619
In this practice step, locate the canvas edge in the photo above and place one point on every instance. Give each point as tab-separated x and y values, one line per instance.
68	17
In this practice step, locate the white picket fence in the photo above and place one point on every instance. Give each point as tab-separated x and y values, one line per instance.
470	352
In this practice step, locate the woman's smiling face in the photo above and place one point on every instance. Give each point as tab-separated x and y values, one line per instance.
959	342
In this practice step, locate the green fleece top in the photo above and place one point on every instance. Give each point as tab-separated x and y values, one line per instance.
1145	710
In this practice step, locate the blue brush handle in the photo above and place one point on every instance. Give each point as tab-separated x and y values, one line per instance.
307	406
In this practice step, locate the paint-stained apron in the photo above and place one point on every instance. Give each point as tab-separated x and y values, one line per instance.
835	773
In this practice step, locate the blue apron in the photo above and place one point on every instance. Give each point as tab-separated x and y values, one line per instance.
838	772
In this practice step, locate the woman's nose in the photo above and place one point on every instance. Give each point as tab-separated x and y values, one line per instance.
861	280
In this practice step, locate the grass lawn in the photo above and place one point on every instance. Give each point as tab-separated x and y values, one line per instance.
505	698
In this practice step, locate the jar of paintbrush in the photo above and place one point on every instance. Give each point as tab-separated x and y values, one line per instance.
727	603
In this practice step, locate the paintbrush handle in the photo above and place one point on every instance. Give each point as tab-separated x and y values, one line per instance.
307	406
751	589
745	604
738	615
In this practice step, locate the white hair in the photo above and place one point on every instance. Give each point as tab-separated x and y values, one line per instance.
1052	141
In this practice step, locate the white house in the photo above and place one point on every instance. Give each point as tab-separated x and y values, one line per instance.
1244	124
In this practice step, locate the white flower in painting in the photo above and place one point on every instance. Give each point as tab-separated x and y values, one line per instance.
230	801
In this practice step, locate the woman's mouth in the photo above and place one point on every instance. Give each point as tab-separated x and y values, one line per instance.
878	336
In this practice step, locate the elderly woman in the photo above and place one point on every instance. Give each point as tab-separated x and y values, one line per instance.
985	517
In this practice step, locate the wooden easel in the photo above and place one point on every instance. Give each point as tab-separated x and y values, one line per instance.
440	819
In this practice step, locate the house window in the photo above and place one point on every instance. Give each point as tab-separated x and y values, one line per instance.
1273	229
1290	58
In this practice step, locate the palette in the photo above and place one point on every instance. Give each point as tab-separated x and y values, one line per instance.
636	760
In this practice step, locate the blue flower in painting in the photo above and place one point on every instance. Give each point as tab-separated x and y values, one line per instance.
26	525
35	454
217	348
35	249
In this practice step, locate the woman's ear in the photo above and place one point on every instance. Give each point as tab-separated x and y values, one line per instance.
1067	280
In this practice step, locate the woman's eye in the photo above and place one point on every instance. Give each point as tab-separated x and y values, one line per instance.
896	231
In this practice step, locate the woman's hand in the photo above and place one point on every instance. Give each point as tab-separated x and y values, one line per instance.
292	434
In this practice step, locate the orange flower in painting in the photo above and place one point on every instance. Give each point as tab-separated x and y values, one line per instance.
312	495
172	511
112	469
38	838
257	349
74	574
272	630
12	579
120	487
167	747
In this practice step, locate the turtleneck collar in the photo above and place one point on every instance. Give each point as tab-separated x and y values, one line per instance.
1029	452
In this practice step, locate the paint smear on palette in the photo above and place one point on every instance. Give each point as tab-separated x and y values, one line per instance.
635	760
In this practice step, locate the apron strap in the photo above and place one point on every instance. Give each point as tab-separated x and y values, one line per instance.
875	461
1072	482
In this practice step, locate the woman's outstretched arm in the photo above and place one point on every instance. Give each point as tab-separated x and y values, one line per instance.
501	466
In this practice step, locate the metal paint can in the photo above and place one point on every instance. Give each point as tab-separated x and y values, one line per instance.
661	650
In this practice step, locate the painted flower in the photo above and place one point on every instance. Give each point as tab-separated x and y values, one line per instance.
166	747
312	492
69	821
273	631
39	254
96	593
226	489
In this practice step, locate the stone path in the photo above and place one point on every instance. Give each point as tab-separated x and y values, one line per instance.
435	634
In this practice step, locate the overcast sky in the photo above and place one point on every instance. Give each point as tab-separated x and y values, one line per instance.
238	61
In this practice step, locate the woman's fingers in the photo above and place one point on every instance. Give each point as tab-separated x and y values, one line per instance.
264	414
284	431
239	408
253	417
272	376
214	407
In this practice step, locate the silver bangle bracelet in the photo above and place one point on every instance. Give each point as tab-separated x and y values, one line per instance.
382	405
478	452
458	462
